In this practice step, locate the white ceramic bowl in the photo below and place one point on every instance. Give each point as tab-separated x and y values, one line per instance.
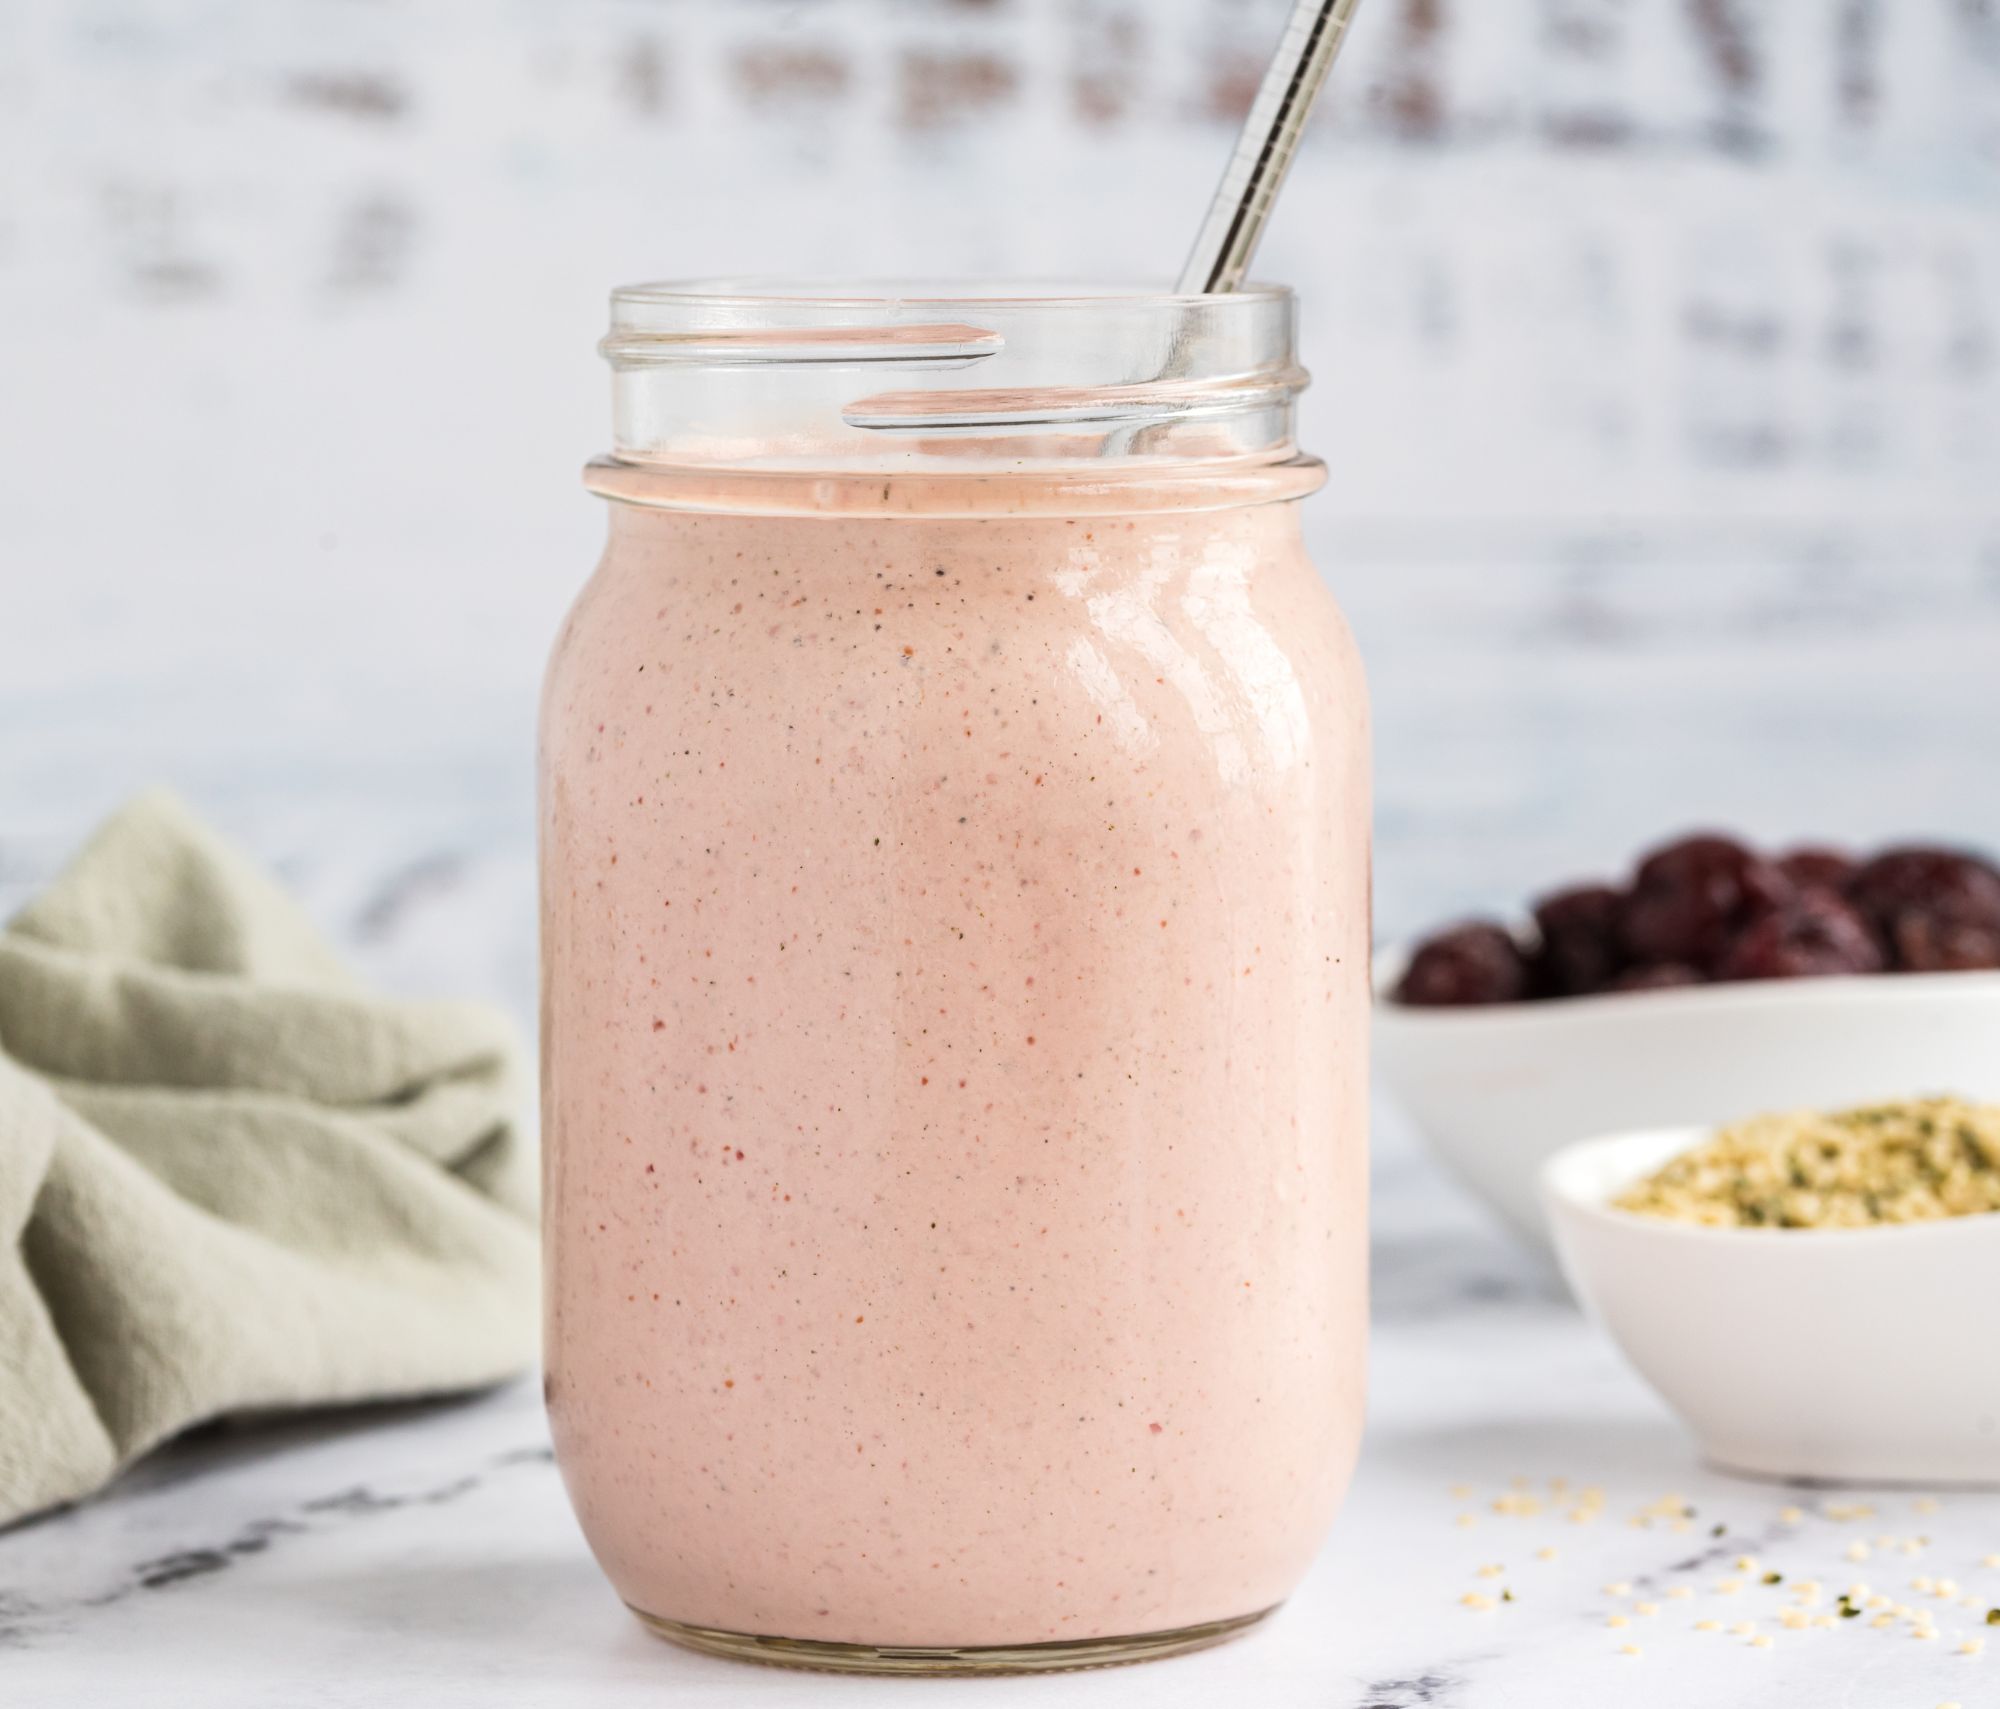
1497	1091
1852	1355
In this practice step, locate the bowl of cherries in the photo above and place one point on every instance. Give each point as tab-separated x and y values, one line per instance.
1717	982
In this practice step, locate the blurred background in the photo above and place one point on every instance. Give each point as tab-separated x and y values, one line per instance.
1656	343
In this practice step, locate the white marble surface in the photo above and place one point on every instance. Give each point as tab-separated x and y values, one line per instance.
426	1556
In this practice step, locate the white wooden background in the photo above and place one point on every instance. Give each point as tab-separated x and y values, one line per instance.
1657	344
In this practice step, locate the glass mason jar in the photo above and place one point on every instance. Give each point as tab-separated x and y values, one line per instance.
955	877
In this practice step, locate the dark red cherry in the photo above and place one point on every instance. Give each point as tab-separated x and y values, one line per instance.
1942	881
1812	937
1661	976
1818	869
1580	951
1937	909
1690	899
1925	943
1473	963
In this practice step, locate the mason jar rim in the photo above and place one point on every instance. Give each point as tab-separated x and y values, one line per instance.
864	293
923	376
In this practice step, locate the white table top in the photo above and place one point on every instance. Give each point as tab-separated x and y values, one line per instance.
425	1555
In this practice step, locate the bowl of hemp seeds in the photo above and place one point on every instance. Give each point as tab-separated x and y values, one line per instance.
1805	1290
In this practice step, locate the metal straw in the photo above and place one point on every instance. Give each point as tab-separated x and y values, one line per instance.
1264	150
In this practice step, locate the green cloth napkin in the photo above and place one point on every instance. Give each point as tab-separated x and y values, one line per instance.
233	1179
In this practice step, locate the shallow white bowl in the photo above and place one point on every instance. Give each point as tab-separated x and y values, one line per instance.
1499	1090
1850	1355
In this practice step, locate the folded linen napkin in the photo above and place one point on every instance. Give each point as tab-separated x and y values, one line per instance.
231	1178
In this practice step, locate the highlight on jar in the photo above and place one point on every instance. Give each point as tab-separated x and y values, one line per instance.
1237	931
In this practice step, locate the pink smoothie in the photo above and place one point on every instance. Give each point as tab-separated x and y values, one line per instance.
956	945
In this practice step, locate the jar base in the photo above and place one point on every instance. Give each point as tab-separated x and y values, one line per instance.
1066	1656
